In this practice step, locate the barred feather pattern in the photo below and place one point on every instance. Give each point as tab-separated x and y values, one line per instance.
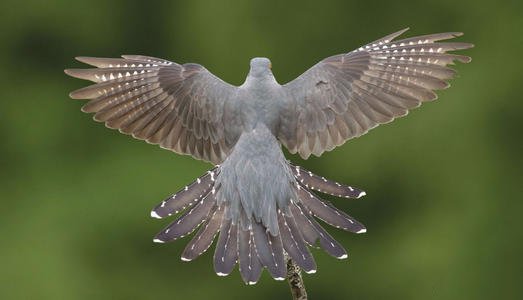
178	107
255	247
346	95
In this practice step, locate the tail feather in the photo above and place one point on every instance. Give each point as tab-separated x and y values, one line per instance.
277	253
265	251
327	242
309	233
204	237
294	244
188	222
186	197
324	185
226	253
328	213
250	265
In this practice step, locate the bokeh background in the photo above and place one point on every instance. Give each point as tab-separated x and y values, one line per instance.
444	198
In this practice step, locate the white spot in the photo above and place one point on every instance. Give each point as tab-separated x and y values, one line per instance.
158	241
344	256
155	215
198	180
251	282
221	274
279	278
311	271
361	195
185	259
362	230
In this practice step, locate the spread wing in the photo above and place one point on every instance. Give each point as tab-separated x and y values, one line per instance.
346	95
179	107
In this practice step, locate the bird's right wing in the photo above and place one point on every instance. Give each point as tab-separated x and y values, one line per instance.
180	107
345	95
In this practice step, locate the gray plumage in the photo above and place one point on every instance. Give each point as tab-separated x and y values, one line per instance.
256	202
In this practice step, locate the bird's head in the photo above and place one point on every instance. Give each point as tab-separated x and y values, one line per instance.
260	67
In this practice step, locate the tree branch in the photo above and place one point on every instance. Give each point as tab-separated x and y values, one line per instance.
295	280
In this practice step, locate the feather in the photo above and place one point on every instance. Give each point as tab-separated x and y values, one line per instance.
250	266
265	251
294	244
186	197
327	212
188	222
327	242
204	237
226	253
321	184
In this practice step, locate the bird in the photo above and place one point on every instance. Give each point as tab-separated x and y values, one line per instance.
258	206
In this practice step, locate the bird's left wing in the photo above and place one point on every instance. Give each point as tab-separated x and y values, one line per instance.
345	95
179	107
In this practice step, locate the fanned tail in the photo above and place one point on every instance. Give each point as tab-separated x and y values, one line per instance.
255	247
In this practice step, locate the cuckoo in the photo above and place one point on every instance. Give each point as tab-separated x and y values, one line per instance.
259	206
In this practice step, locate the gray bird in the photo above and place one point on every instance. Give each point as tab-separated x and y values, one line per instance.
262	206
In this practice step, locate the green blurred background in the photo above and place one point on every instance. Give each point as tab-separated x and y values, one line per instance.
444	197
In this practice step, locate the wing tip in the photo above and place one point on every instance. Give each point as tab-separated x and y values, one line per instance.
70	72
394	35
74	94
84	59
